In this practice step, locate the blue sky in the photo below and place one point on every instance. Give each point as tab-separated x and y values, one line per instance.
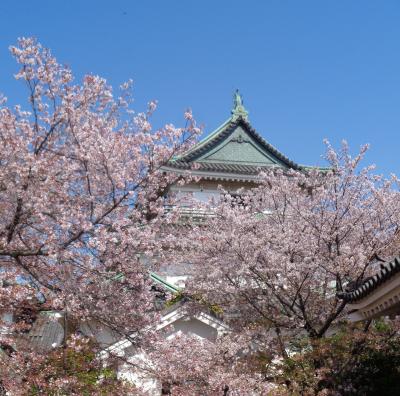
308	70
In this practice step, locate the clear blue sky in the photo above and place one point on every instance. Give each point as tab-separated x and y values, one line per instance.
308	70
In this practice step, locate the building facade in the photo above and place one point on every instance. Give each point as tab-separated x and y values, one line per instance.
226	160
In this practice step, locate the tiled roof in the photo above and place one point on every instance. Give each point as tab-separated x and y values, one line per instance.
47	332
220	134
220	167
387	272
216	158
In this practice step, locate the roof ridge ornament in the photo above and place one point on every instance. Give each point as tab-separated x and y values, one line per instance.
238	108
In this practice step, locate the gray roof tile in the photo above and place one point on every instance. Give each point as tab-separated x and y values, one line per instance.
387	272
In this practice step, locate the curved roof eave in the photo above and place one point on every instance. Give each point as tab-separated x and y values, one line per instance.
371	284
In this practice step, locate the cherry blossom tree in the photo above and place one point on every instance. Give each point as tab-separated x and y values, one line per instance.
81	194
73	370
187	364
273	258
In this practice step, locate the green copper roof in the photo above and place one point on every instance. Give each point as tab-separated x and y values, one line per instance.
238	111
234	151
154	277
163	282
206	139
235	142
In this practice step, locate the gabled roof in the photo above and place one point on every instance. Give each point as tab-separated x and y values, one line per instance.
234	148
236	131
167	319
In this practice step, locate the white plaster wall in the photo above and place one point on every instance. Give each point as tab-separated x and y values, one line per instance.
193	326
131	372
176	280
6	321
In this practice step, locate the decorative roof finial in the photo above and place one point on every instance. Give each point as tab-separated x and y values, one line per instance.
238	108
